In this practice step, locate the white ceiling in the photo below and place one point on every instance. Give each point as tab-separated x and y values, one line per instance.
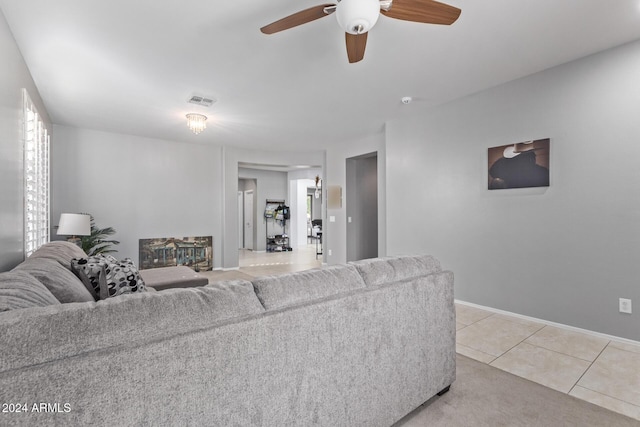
130	66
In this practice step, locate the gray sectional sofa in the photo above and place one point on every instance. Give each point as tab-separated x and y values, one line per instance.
361	344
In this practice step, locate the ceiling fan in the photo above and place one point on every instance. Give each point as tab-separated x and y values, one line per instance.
357	17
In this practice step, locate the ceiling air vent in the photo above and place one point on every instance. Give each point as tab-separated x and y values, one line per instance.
200	100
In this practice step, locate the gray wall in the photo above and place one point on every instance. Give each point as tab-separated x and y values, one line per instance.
564	253
335	233
269	185
316	204
14	76
231	158
361	199
248	185
142	187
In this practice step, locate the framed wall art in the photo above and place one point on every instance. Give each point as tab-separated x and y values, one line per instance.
519	165
194	252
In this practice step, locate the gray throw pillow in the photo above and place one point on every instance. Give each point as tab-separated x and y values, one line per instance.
61	282
19	289
120	277
89	270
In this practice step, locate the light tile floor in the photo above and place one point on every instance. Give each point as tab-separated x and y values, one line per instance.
595	369
256	264
265	263
600	371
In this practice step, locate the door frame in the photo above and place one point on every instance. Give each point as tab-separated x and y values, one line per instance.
248	219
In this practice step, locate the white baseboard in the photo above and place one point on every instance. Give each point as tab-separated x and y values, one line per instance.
546	322
230	269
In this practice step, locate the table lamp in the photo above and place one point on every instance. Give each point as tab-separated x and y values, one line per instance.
74	225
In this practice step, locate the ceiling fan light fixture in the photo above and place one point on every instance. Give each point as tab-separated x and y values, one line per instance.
196	122
357	16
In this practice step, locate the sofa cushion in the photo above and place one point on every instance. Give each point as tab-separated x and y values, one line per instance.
138	318
172	277
19	289
89	269
288	289
60	251
61	282
120	277
377	271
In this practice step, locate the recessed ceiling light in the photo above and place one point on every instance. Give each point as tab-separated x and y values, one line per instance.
406	100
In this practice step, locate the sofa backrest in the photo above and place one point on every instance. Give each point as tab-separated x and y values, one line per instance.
63	284
19	289
376	271
60	330
289	289
365	357
60	251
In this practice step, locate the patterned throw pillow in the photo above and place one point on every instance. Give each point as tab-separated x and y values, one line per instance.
120	277
89	271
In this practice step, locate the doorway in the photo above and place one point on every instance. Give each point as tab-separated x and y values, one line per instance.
247	194
240	219
248	219
361	201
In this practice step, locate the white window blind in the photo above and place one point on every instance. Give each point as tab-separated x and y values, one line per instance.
36	178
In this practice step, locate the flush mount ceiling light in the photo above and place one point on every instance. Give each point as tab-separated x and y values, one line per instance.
196	122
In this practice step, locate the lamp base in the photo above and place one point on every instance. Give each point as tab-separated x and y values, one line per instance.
75	240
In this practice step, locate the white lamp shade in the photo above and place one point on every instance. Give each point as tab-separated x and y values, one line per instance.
74	225
357	16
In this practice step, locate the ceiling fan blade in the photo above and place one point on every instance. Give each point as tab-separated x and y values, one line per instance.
299	18
356	44
425	11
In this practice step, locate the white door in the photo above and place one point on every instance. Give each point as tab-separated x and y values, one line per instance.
248	219
240	220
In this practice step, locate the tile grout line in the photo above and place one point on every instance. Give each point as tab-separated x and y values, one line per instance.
549	323
479	351
479	320
523	340
553	351
569	355
591	362
504	317
605	395
590	365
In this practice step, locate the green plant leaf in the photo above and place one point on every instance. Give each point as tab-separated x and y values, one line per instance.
97	242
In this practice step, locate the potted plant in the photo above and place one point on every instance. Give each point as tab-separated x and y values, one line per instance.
97	242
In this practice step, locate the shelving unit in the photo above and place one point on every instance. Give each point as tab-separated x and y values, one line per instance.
276	211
